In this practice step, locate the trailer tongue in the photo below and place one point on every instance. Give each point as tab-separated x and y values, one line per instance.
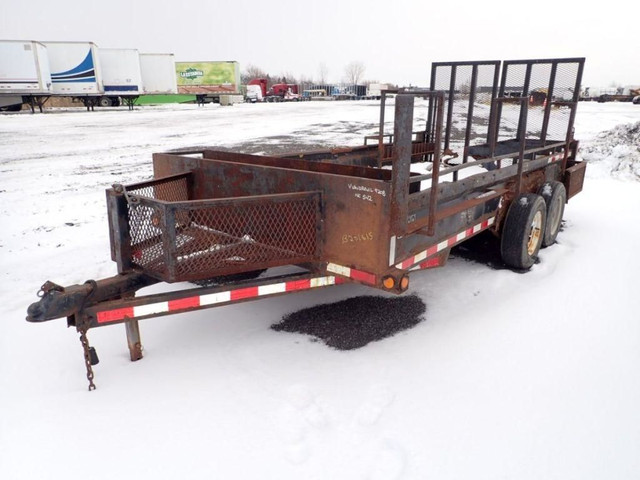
226	220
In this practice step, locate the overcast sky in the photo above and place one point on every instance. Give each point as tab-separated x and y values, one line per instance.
396	40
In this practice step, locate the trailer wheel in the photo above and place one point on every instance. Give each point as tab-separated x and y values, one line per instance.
104	102
555	196
523	230
13	108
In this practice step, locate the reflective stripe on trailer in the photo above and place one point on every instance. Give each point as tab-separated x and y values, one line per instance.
556	158
448	243
357	275
229	296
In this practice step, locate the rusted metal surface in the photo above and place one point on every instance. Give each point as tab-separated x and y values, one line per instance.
401	164
133	340
466	85
176	238
57	302
336	214
227	213
574	178
132	309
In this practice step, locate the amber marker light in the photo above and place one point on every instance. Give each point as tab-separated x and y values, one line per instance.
388	282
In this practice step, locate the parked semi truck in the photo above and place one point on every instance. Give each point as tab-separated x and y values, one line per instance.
210	82
279	92
25	77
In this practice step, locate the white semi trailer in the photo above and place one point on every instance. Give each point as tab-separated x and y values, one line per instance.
75	71
24	74
121	76
158	74
31	72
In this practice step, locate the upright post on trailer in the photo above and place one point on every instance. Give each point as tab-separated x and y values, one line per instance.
522	136
401	163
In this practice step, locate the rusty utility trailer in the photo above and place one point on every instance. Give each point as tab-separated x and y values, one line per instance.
501	159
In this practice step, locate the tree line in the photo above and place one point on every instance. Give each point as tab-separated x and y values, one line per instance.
353	75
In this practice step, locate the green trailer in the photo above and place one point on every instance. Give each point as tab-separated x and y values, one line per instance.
210	82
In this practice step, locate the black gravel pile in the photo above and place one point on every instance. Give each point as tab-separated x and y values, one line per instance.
355	322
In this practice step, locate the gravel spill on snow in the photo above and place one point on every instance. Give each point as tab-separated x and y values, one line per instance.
357	321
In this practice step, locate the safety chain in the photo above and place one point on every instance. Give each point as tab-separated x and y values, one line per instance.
87	356
90	356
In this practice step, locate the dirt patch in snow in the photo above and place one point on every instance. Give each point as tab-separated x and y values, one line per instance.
355	322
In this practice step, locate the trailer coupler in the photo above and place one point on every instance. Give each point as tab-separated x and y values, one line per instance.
58	302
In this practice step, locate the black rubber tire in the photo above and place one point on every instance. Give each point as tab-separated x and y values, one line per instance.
522	231
555	197
104	102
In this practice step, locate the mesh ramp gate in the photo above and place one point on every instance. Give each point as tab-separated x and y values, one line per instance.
474	118
552	88
174	238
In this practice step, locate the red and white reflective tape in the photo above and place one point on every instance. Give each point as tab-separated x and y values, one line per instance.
431	263
448	243
228	296
357	275
558	156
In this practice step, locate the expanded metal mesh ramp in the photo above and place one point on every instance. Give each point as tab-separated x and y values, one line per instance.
176	238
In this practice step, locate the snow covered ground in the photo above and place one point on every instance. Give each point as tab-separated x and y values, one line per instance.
509	376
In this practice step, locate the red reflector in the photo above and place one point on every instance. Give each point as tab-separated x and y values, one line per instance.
432	262
242	293
115	315
184	303
298	285
363	276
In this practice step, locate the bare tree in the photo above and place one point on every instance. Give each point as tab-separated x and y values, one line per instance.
305	82
252	72
323	72
354	72
288	77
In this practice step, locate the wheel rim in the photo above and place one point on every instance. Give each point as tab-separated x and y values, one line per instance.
535	233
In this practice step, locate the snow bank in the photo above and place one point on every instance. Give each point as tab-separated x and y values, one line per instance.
615	152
